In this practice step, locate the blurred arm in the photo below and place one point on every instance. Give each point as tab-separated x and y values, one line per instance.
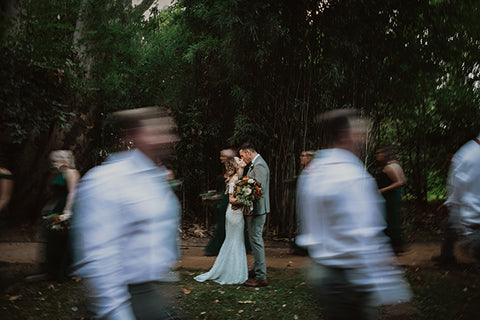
72	176
395	173
97	239
342	222
6	192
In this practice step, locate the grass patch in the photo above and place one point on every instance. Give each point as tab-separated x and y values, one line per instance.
440	294
445	294
40	300
286	297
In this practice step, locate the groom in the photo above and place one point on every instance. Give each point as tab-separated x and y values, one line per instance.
257	169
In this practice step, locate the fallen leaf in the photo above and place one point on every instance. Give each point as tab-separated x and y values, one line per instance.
240	311
216	301
76	279
186	291
246	302
203	312
14	298
74	309
221	292
50	287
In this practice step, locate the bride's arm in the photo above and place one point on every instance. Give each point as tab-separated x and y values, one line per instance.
234	200
231	198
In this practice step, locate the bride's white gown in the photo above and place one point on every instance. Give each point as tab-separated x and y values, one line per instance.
230	267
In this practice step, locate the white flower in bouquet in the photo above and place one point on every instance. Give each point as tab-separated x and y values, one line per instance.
251	181
248	191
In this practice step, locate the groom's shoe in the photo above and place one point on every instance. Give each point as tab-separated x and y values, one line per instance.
256	283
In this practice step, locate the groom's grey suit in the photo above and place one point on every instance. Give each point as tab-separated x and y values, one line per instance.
259	171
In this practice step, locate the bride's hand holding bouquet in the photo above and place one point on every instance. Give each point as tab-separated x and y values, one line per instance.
247	191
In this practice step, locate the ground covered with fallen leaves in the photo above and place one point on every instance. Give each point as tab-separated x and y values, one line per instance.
440	293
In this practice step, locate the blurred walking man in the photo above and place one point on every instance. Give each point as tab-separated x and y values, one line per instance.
463	202
126	223
342	227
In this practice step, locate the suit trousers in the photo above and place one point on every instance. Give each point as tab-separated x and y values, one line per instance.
340	298
151	301
255	225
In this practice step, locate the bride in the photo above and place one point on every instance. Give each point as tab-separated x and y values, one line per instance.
230	267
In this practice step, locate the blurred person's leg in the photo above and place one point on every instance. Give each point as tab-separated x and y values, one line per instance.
338	297
213	246
448	243
447	250
450	237
394	220
475	246
57	254
153	300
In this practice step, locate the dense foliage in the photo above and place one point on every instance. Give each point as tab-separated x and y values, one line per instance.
236	70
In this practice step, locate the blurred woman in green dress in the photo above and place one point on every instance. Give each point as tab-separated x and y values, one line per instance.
6	188
215	243
57	214
390	180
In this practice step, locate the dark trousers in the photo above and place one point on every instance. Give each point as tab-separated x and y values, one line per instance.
450	236
475	245
339	298
58	255
153	301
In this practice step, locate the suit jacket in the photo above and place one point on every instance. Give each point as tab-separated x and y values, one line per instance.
259	171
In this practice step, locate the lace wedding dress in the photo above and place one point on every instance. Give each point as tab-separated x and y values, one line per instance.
230	267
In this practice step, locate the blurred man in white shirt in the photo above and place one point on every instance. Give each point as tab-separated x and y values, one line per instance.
342	227
126	223
463	202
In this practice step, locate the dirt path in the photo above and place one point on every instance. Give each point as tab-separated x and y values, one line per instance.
277	254
192	254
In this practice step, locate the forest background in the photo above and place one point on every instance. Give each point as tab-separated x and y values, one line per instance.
235	71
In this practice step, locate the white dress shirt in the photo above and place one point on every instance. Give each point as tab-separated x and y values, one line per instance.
342	223
125	230
464	188
253	160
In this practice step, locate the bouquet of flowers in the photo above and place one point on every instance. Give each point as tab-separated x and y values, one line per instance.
247	190
59	222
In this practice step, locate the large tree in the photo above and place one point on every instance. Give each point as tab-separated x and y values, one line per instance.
236	70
